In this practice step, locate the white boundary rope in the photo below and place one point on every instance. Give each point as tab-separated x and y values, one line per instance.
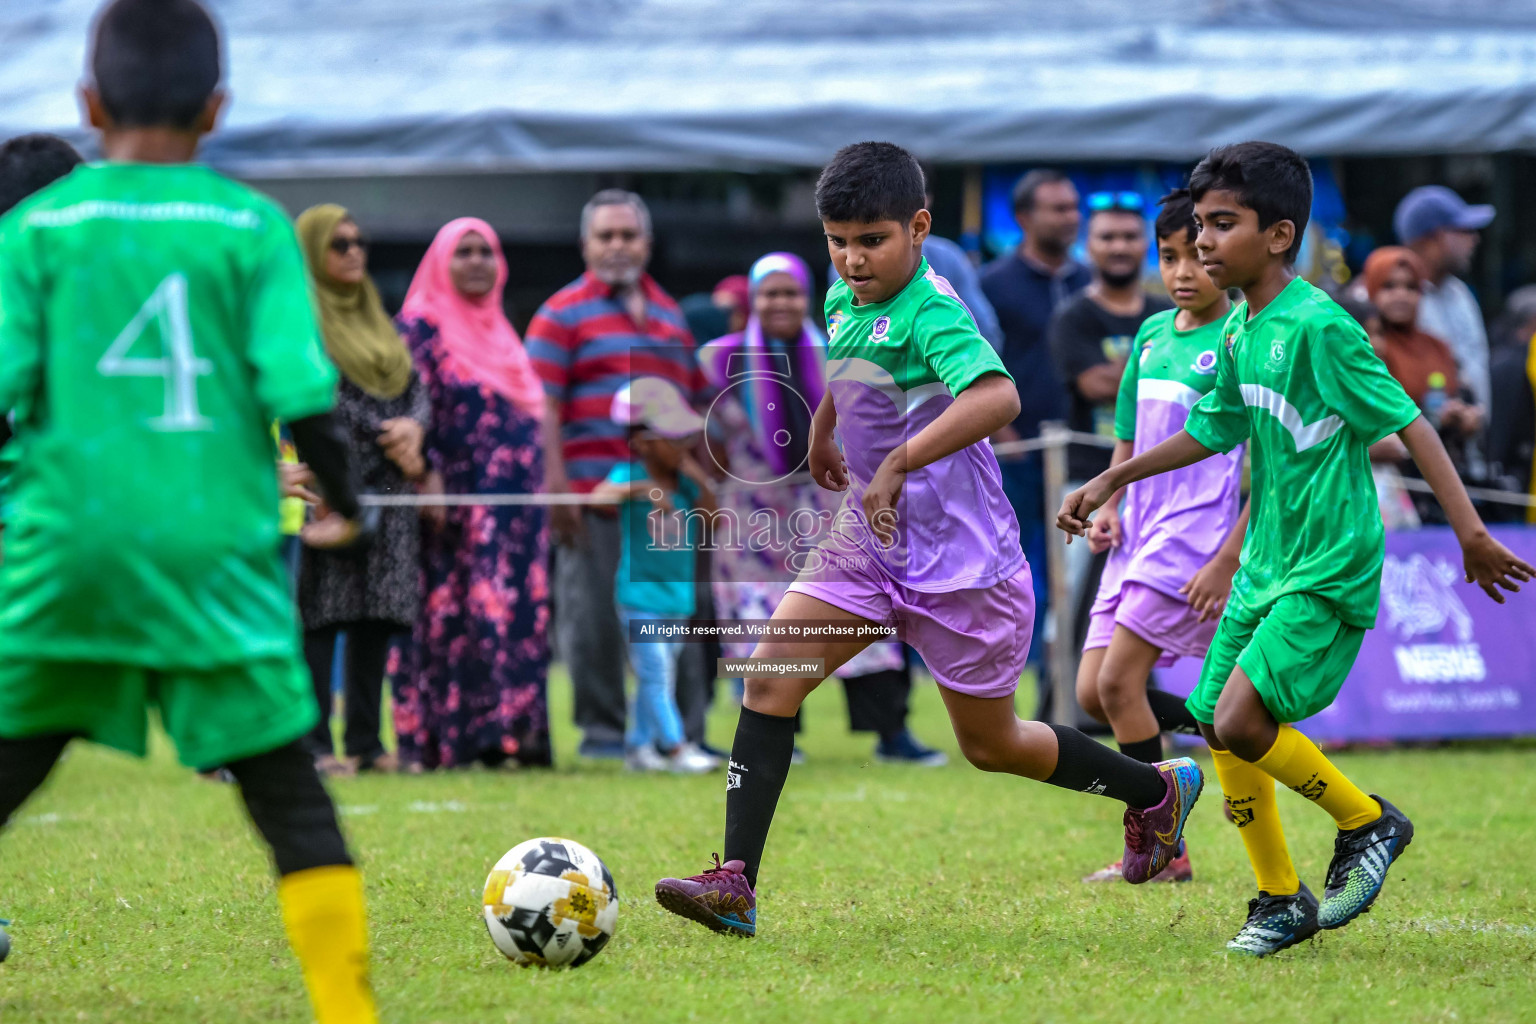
539	499
1475	493
435	500
1003	450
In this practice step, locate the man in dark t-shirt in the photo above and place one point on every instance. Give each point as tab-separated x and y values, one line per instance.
1091	334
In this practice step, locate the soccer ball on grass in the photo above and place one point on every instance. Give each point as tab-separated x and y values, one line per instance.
550	903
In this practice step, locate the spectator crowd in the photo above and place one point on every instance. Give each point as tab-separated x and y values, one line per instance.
629	410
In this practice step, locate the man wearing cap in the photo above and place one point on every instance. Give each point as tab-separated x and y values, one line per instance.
1442	228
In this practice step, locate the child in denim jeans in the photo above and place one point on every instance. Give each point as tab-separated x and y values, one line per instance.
655	580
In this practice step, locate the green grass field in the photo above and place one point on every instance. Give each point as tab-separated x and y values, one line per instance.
890	894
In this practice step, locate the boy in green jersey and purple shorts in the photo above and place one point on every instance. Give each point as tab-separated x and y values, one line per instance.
1296	378
925	540
155	318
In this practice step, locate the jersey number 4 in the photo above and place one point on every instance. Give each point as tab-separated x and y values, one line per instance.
178	365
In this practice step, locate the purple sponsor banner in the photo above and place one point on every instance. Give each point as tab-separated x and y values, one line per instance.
1444	661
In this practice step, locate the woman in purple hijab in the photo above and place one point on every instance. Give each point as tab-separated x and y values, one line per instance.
769	379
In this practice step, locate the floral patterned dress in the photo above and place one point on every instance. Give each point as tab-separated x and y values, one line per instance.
470	683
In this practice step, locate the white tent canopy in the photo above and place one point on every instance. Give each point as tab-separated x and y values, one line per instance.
392	87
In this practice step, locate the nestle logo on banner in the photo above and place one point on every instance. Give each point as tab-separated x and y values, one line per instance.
1420	601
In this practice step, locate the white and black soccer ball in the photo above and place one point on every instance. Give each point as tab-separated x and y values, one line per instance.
550	903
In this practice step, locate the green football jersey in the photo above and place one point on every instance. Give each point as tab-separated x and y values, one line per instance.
1300	381
154	320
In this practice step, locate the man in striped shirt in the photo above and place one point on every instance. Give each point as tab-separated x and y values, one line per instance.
590	339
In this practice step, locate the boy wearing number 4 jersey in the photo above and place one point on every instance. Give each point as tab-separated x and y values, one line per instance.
1174	547
155	318
1297	379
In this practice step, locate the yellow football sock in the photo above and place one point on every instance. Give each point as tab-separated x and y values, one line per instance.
1298	764
323	912
1251	794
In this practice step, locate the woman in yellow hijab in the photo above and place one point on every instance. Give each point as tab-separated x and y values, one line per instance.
384	408
359	336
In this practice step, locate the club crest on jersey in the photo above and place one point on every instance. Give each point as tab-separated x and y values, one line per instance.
1276	353
881	329
1205	362
835	321
1230	338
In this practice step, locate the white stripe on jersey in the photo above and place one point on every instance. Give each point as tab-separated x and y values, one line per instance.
1176	392
1306	435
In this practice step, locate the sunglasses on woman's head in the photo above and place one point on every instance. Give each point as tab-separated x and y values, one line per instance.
342	246
1128	202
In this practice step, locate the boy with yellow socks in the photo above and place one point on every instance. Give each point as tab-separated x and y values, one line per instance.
1297	379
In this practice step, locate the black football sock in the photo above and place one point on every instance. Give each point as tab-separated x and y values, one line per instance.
24	765
1087	766
1171	713
759	765
291	809
1146	751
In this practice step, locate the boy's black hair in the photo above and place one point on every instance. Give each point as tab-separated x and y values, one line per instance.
1177	214
1269	179
29	162
930	175
155	62
1024	191
871	181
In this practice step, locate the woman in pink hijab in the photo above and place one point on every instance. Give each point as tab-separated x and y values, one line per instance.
470	685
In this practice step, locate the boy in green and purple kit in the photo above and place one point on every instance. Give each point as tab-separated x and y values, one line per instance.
1297	379
925	540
